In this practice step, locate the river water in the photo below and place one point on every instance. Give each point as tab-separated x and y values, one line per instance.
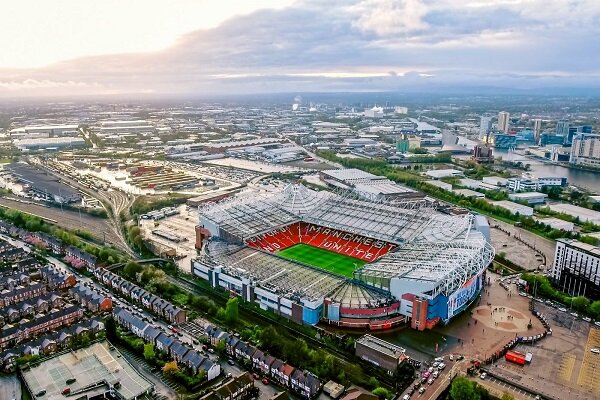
589	180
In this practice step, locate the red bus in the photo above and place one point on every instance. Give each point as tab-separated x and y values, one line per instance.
515	357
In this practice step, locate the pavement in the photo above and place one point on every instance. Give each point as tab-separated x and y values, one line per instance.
477	330
10	387
516	249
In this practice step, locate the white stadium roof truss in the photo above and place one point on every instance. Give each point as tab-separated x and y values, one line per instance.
447	265
442	249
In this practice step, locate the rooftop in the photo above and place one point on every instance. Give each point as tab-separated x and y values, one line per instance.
94	368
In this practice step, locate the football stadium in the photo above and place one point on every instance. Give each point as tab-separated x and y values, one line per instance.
342	258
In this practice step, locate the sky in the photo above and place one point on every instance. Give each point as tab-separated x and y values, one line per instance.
207	47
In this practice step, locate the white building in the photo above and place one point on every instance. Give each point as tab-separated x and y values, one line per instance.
584	214
495	181
503	121
375	112
443	173
585	149
400	110
576	268
529	197
514	208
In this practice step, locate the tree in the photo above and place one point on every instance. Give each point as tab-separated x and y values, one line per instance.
463	389
506	396
581	303
232	312
220	347
111	328
132	269
382	393
373	382
170	367
149	353
595	309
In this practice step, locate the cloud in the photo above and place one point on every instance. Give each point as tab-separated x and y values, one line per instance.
386	17
367	45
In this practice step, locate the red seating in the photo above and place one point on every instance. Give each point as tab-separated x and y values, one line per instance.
341	242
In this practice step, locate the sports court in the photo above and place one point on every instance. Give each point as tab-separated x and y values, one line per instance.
328	260
93	370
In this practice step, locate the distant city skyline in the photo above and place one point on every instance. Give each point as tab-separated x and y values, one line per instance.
69	47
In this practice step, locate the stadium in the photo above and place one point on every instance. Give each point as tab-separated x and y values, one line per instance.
342	258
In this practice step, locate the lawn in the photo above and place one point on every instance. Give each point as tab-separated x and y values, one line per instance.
324	259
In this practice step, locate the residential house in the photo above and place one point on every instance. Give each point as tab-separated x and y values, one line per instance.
174	314
193	359
237	388
150	334
163	342
230	344
178	350
79	258
305	383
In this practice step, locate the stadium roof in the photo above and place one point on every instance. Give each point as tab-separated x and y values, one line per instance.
391	220
447	265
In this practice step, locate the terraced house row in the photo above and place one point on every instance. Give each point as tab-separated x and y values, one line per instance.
74	256
51	342
151	302
302	382
165	343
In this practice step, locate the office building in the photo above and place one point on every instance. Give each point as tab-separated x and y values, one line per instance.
504	141
503	121
585	149
485	126
576	268
548	138
562	128
537	130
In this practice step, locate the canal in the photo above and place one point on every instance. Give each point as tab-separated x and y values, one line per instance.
589	180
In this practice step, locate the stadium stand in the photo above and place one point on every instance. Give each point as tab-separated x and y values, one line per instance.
357	246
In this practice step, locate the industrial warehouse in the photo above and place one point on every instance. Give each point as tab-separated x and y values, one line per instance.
341	257
42	185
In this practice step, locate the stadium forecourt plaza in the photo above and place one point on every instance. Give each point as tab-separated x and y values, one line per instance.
343	258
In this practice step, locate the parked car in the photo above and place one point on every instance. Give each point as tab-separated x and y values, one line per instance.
265	381
483	375
595	351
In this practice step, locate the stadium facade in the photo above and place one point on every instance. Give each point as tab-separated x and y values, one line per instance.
413	263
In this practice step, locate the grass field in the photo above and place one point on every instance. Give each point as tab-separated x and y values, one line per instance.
324	259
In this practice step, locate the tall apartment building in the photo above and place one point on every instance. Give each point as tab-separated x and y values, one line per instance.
585	149
485	126
576	268
503	121
537	130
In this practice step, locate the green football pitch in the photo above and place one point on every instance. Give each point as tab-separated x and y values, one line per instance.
324	259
